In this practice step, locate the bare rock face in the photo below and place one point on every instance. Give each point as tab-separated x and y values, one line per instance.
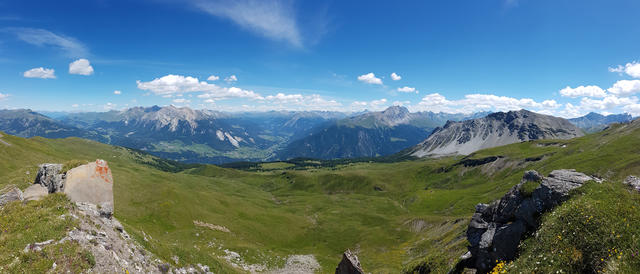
50	177
91	183
349	264
9	194
633	182
35	192
496	229
496	129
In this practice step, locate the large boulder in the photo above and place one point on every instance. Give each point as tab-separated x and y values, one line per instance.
90	183
9	194
50	177
496	229
349	264
35	192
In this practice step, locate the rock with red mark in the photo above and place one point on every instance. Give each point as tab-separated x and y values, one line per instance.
90	183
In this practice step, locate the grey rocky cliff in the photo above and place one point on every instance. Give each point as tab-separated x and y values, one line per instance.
349	264
496	129
495	230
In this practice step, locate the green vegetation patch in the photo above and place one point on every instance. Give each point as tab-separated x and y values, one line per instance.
596	231
35	222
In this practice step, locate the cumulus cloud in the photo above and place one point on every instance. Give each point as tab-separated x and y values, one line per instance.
173	85
117	92
632	69
480	102
370	78
81	67
109	106
43	73
395	77
583	91
625	87
41	37
231	78
273	19
407	89
213	78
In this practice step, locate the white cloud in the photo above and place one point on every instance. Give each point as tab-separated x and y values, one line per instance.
480	102
109	106
370	78
181	101
40	37
583	91
231	78
625	87
175	85
273	19
213	78
301	102
210	101
117	92
407	89
81	67
607	103
40	72
395	77
631	69
75	105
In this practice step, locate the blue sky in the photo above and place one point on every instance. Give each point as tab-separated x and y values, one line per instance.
561	57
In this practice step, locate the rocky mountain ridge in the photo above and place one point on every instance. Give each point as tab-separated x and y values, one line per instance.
496	129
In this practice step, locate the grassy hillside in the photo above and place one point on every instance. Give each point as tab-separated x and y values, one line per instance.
395	215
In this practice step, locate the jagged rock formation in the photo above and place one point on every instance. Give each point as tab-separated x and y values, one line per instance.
496	129
9	194
349	264
496	229
50	177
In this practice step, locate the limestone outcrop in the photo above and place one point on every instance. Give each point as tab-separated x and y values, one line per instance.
633	182
50	177
9	194
496	229
349	264
91	183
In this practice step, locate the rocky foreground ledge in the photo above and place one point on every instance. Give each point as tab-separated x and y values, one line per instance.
90	188
496	229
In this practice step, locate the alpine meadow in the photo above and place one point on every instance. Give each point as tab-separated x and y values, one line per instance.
286	136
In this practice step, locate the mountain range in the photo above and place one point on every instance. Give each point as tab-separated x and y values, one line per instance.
208	136
593	122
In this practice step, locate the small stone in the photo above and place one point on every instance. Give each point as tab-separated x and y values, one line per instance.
633	182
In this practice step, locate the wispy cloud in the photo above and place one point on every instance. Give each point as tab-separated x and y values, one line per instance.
273	19
41	37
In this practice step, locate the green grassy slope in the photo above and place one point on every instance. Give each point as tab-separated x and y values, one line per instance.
396	215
